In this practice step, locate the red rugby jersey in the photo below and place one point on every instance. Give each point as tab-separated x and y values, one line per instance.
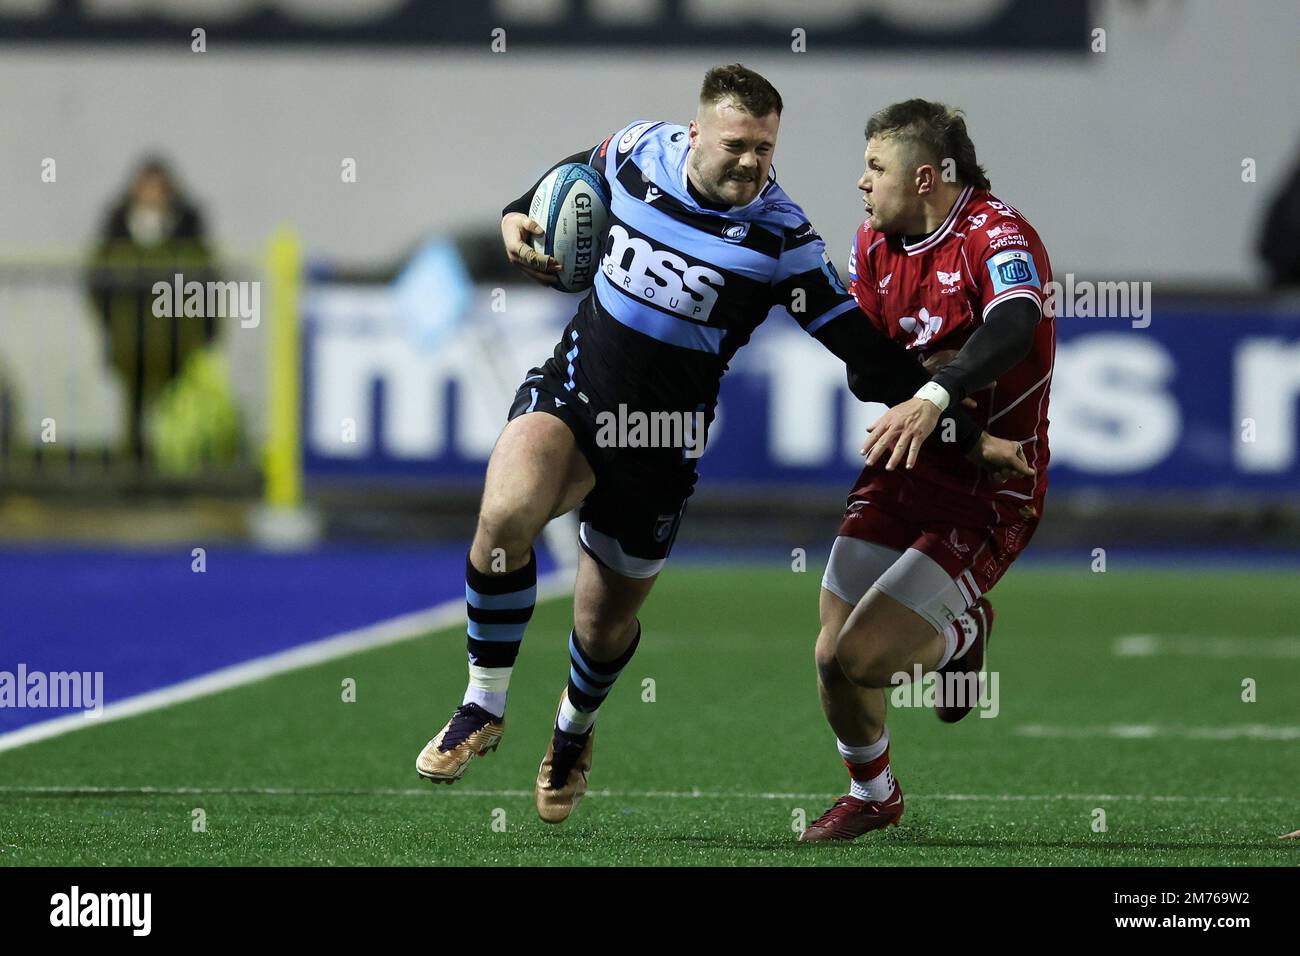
931	296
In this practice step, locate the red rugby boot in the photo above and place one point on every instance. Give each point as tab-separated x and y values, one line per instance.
851	817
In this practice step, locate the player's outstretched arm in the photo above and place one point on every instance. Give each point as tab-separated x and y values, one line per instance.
879	369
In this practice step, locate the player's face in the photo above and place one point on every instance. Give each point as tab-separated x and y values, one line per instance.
889	193
731	152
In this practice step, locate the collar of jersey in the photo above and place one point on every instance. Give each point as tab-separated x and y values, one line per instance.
941	233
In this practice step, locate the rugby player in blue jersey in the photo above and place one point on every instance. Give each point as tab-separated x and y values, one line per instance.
702	244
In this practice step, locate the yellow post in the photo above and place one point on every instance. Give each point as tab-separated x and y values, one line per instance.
283	463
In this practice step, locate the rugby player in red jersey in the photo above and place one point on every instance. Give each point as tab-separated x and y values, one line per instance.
957	276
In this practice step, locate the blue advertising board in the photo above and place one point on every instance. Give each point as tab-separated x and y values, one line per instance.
1203	398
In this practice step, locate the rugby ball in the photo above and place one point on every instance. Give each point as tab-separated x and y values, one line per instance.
572	205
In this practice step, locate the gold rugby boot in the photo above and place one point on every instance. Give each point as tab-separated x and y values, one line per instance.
562	776
471	732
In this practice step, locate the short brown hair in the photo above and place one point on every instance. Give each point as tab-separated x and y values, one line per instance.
747	89
933	130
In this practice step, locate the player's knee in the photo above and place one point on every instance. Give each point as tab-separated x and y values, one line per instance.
829	672
861	659
511	531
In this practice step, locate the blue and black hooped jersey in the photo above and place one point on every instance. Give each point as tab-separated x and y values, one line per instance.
682	287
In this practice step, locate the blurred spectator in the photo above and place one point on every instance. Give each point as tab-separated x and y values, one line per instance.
1279	241
152	233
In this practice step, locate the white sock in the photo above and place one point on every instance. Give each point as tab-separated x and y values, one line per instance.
864	754
877	789
488	687
574	721
958	638
880	786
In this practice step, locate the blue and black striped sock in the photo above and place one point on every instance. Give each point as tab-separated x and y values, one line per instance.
590	682
498	607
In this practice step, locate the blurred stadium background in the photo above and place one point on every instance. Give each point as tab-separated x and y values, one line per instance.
326	452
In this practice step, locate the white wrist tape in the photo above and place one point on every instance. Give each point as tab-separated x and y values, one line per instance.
935	394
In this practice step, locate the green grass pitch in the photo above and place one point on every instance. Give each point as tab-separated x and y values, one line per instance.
716	769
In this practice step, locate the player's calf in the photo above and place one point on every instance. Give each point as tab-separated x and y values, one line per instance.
853	712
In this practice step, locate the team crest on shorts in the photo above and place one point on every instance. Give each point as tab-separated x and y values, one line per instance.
664	527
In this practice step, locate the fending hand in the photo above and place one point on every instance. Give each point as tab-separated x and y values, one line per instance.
904	428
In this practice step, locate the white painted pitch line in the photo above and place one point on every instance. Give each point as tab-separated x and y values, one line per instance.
435	792
1272	732
392	631
1202	645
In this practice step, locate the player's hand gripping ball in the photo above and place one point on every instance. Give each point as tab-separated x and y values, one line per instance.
571	205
